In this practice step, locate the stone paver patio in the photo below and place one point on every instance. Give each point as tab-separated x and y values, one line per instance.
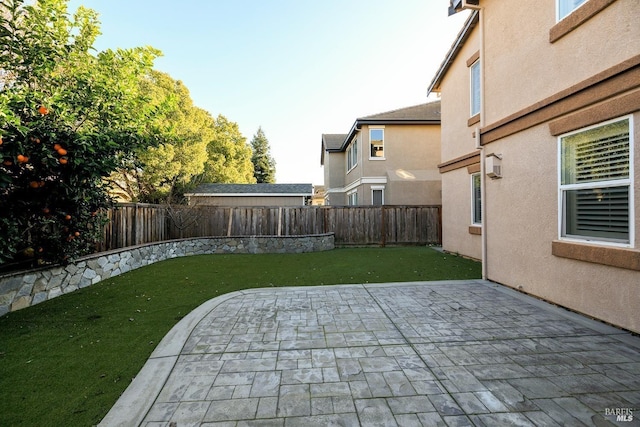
458	353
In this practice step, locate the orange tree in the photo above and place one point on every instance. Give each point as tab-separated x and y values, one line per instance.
68	118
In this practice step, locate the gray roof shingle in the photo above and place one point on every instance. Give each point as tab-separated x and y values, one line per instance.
333	141
429	111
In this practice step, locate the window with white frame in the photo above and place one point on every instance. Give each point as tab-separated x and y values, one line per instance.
476	200
352	154
353	198
377	196
565	7
474	72
376	139
596	189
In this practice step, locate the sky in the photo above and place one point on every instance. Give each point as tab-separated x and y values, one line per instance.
296	68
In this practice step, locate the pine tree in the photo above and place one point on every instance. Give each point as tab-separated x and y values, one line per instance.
264	166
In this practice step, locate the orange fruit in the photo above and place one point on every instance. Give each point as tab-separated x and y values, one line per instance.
67	217
1	140
7	163
63	160
57	147
43	110
22	159
77	234
34	184
62	151
45	210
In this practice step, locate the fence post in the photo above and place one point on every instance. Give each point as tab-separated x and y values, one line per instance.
383	225
230	222
280	221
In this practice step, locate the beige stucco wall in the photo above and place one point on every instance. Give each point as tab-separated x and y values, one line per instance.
458	140
334	165
456	215
247	201
411	156
523	222
334	178
522	67
409	147
457	136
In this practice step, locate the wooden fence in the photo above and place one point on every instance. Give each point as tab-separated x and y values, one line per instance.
134	224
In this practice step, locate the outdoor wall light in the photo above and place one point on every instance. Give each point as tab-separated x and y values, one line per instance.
493	165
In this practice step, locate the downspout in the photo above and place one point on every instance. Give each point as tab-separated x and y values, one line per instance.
483	175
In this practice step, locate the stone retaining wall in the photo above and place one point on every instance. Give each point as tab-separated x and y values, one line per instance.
27	288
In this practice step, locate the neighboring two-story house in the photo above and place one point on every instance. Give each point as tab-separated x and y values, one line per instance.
541	101
388	158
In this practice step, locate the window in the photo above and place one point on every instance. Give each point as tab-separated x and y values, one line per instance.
476	200
353	198
352	155
376	138
377	196
596	191
475	88
565	7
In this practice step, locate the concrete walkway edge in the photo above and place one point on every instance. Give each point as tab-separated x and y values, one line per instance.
137	399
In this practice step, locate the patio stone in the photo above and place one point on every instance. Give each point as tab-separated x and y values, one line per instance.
459	353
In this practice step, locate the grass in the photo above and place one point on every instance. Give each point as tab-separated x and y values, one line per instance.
66	361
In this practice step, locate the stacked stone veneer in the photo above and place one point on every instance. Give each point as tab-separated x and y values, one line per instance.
24	289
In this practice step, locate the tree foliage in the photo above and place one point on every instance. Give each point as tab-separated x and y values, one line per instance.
197	148
154	174
228	155
68	118
264	166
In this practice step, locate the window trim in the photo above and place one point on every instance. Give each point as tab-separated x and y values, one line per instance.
560	18
562	189
352	153
377	188
384	151
576	18
349	196
474	200
475	112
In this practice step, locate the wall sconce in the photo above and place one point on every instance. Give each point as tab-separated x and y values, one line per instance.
493	165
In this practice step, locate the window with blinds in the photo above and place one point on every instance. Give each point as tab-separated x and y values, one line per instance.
595	183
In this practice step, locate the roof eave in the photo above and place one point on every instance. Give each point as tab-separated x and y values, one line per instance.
469	25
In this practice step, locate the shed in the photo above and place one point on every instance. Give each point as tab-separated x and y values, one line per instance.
251	195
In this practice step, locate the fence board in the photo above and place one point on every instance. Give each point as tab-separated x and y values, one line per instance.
134	224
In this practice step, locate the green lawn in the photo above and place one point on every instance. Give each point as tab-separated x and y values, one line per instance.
66	361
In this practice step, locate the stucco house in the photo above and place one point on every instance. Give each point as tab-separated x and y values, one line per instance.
251	195
541	102
389	158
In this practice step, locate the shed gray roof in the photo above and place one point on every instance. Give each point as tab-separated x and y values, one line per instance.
253	189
